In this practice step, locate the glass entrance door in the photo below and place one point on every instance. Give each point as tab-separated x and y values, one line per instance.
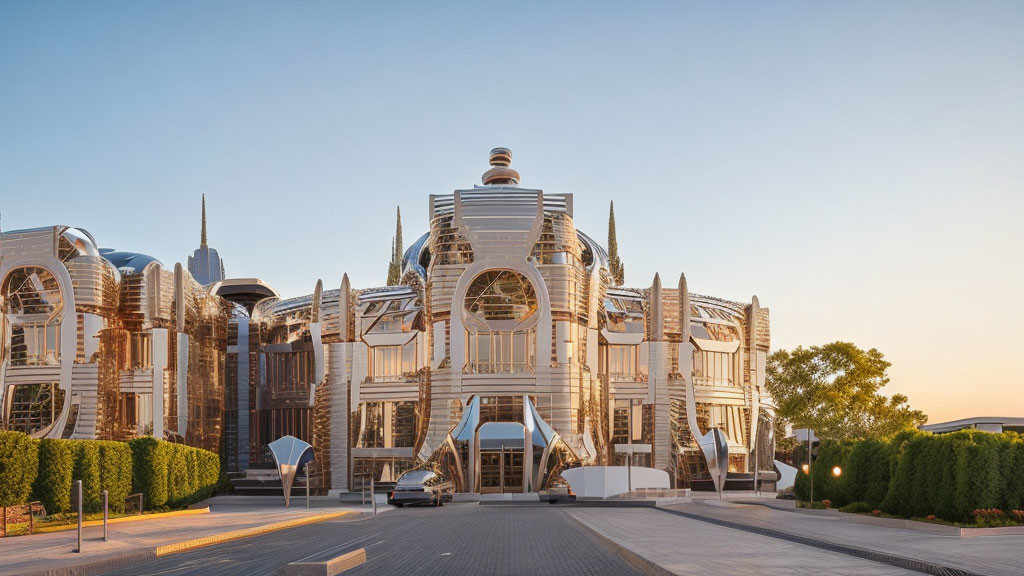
501	471
512	471
490	472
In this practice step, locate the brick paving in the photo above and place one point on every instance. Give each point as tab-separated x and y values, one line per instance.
992	555
455	539
24	554
466	538
683	546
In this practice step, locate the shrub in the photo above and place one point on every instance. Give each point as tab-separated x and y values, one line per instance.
19	463
192	465
208	474
172	474
52	486
990	517
856	507
116	472
1011	462
826	485
177	475
867	471
149	470
87	469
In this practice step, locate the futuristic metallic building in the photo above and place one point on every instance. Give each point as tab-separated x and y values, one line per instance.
504	355
106	344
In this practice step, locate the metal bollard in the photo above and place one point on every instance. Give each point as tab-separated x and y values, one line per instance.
78	508
105	495
373	497
307	486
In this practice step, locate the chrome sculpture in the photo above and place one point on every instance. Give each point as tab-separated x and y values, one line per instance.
290	455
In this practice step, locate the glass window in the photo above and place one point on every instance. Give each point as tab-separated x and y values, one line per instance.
498	295
403	424
715	369
33	407
622	360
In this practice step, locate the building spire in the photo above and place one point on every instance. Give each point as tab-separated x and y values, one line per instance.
202	237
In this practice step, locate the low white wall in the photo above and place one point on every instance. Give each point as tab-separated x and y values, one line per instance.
788	476
606	481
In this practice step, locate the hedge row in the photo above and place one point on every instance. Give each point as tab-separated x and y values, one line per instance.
19	461
45	470
916	474
172	474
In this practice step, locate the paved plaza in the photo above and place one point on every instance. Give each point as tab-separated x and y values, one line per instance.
467	538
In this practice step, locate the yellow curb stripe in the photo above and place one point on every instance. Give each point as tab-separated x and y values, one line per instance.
244	533
88	523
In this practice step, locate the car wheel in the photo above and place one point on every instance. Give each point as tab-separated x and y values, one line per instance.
399	504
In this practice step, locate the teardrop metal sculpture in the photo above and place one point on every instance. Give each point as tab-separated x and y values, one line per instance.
290	454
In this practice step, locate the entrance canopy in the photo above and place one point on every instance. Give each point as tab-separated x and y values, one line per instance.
502	436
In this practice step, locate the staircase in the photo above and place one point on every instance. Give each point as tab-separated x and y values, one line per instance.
265	482
737	481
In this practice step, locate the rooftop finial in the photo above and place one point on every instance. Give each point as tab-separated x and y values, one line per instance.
202	238
500	173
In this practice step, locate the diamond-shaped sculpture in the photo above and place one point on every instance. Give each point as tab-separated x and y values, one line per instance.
290	454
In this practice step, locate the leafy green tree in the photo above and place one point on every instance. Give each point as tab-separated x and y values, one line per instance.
834	389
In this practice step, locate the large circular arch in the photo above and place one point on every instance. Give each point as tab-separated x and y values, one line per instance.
68	335
457	348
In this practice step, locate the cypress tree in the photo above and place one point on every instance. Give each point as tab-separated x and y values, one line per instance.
395	266
392	269
399	249
615	265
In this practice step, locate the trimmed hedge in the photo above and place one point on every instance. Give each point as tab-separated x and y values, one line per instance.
87	469
149	470
56	468
172	474
115	472
45	470
19	463
916	474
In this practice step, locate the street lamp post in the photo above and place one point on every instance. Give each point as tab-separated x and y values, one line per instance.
810	468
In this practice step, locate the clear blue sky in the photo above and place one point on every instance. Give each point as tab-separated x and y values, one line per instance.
858	165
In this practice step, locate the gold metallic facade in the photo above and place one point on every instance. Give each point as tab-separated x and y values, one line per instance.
91	343
504	356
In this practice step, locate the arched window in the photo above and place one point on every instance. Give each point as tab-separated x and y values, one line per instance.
34	307
500	311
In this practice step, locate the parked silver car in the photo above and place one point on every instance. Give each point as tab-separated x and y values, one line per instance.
421	487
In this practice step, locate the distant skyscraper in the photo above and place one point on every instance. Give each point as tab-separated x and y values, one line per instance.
205	264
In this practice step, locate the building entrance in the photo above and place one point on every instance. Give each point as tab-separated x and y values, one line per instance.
501	471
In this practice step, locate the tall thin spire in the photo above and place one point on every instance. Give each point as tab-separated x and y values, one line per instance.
202	238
